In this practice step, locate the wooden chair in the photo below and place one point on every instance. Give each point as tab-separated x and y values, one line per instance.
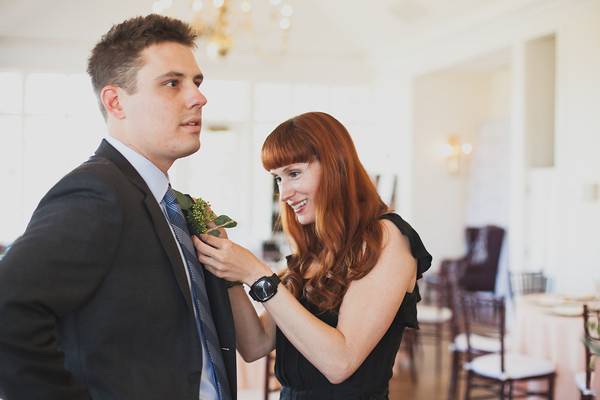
479	265
434	316
481	343
408	347
475	271
496	374
271	384
591	323
527	283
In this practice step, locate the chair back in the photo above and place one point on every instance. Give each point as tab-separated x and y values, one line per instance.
591	330
483	314
527	283
454	291
480	264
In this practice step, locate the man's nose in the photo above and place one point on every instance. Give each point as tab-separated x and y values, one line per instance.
196	98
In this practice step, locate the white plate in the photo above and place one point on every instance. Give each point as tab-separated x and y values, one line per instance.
567	311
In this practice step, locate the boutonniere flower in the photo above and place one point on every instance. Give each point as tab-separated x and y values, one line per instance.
199	216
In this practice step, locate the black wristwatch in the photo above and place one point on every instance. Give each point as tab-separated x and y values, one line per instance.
264	288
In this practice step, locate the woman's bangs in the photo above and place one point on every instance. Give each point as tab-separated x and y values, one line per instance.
284	147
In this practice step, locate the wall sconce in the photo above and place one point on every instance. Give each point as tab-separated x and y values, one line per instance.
591	192
454	152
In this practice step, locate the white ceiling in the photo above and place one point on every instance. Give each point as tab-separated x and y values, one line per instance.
329	28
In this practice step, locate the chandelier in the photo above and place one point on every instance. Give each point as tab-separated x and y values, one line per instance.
260	26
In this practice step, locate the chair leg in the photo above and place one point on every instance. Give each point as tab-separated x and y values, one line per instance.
453	384
417	342
551	387
510	390
468	383
438	348
411	355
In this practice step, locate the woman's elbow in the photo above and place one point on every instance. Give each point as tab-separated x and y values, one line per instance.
253	351
340	372
250	356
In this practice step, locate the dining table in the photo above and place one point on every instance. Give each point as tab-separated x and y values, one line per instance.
550	326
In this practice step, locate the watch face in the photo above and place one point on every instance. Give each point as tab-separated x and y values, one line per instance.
264	288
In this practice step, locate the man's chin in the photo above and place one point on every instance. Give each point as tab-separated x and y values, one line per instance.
191	149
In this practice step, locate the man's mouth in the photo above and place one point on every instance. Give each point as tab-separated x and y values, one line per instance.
192	122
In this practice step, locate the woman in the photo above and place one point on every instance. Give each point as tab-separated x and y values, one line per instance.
349	291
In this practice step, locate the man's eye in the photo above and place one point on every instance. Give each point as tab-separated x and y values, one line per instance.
172	83
278	180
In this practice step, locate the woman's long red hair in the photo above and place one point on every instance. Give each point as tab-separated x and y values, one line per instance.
346	237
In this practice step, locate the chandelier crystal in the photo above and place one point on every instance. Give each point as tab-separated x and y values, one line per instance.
260	26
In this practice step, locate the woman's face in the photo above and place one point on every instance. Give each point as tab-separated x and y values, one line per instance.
298	184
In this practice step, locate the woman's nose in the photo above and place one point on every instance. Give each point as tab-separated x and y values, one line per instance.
285	191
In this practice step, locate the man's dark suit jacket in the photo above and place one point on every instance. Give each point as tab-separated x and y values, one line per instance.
94	299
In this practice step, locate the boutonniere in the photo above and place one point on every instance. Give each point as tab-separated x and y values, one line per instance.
199	216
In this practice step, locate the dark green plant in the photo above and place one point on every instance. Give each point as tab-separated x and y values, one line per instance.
199	216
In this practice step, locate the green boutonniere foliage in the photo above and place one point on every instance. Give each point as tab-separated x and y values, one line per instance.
199	216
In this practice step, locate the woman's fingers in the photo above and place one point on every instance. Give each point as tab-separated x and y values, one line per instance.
213	266
203	248
213	240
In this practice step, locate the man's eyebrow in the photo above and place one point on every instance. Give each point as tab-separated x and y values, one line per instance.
170	74
175	74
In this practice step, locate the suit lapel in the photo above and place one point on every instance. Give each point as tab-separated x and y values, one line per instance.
168	242
158	218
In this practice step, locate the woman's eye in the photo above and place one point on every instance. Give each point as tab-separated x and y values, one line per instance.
294	174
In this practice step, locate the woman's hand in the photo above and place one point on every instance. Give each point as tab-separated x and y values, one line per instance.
228	260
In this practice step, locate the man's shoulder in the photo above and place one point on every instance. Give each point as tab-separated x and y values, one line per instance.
94	170
97	175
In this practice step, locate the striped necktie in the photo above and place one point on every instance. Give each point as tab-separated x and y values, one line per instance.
214	382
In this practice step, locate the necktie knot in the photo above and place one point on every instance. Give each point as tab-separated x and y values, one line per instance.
169	198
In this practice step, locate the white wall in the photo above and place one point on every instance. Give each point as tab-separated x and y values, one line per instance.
577	224
573	251
540	66
445	103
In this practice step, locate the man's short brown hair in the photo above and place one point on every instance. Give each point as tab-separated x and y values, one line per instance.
116	58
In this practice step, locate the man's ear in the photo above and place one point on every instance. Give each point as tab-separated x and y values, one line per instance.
110	100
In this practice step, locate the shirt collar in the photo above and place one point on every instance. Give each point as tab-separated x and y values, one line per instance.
157	181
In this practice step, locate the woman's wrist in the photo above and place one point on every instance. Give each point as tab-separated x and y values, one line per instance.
230	284
259	272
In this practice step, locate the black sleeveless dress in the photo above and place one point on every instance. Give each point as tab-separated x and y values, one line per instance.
300	380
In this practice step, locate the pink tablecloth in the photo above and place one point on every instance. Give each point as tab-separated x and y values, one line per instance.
539	333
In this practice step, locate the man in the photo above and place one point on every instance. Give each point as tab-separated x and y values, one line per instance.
100	298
